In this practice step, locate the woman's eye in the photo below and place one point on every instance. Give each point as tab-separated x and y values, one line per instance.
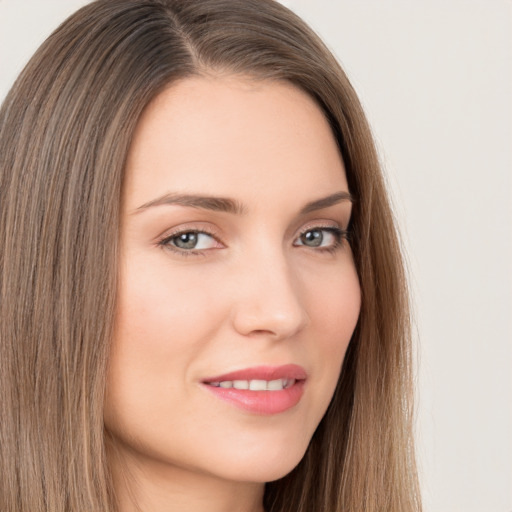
193	242
189	241
322	238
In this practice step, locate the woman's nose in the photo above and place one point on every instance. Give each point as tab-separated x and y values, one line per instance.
268	300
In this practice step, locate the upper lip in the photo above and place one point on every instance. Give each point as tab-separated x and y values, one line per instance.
287	371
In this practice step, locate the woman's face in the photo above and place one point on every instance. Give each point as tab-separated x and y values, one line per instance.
235	273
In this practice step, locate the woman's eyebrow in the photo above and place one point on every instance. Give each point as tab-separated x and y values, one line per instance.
325	202
227	205
204	202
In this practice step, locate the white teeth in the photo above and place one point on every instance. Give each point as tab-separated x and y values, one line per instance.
256	385
275	385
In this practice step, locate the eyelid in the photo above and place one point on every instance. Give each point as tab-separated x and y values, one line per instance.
164	240
339	233
320	224
324	224
188	227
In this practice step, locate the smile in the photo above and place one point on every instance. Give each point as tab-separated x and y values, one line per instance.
261	390
255	385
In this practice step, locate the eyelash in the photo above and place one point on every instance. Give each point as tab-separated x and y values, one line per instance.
165	243
339	234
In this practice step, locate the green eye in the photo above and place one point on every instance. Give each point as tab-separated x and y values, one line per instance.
312	238
328	238
187	242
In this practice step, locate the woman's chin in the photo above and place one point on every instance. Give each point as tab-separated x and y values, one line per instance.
261	469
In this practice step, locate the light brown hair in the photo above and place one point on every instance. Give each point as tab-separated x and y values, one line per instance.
65	130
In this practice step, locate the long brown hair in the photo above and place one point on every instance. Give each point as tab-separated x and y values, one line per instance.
65	130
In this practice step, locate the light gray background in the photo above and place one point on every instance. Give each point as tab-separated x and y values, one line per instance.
436	80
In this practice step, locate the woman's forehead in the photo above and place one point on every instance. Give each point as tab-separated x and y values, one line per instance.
232	136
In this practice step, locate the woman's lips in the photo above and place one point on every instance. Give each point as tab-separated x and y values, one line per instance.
262	389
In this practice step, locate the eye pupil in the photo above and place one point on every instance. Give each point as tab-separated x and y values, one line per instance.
186	240
313	238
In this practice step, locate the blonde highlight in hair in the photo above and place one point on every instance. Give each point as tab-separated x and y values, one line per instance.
65	130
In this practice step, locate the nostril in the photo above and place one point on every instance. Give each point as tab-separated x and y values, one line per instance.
270	324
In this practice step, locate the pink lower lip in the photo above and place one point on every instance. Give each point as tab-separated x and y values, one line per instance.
261	402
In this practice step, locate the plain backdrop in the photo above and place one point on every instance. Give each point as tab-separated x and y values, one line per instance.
435	78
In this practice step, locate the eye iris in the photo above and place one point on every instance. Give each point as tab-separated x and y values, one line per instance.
312	238
186	240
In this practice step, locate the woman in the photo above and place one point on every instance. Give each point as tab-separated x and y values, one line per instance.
203	304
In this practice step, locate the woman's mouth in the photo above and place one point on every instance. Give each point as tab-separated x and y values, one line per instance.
256	385
261	390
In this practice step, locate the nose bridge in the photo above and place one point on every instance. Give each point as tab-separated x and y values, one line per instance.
268	299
